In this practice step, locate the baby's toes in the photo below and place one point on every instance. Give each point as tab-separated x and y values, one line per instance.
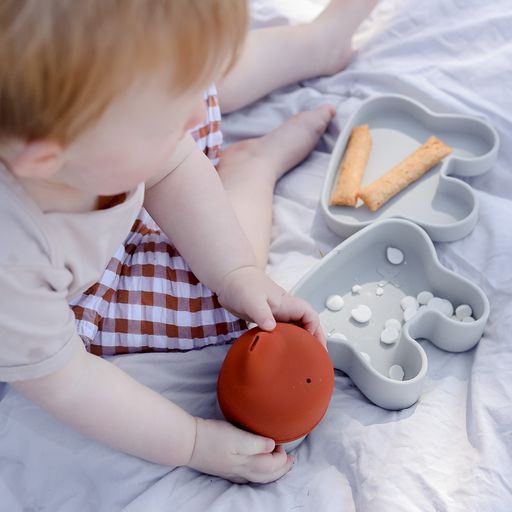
316	121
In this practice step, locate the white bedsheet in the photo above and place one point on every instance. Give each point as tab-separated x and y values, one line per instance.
453	450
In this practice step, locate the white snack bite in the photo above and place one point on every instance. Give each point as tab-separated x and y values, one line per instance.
444	306
390	335
395	256
361	314
393	322
409	313
463	311
448	307
468	319
437	304
379	291
356	288
424	297
334	302
336	336
396	372
409	302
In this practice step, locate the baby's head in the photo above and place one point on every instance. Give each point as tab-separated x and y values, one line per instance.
96	94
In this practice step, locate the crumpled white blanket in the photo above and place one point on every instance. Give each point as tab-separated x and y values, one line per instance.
452	451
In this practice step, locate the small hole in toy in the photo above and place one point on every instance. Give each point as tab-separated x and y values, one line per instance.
253	344
308	381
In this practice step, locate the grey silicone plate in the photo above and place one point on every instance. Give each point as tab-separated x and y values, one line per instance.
361	259
444	206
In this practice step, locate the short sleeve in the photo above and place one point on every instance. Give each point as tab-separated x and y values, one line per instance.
37	327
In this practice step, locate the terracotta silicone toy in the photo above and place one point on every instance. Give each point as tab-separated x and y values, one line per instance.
277	384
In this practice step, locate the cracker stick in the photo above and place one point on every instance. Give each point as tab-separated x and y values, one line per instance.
405	173
352	167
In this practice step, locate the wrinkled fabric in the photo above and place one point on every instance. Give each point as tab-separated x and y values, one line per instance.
452	451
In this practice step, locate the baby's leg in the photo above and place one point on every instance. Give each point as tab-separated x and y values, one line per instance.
279	56
249	170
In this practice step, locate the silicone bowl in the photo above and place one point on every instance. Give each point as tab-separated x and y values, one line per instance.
445	206
361	259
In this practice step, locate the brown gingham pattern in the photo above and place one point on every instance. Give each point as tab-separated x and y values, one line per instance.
148	299
208	134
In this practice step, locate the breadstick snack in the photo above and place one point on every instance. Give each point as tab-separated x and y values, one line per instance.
405	173
352	167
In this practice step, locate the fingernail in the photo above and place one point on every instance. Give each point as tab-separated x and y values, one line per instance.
270	445
268	324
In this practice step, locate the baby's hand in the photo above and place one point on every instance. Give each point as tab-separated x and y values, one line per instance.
224	450
250	294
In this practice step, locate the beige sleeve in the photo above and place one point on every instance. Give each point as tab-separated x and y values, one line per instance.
37	327
352	167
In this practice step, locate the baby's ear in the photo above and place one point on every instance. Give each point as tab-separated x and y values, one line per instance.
38	159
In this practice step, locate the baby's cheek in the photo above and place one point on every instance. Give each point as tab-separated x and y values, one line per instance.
160	153
199	114
172	141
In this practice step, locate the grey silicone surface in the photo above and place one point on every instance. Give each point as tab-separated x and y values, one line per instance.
444	206
361	259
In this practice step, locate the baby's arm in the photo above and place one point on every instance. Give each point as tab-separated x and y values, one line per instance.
101	401
190	204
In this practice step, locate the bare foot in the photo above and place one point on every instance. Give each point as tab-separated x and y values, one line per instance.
249	170
277	152
333	30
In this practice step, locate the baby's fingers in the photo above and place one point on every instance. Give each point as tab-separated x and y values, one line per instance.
258	310
293	309
269	467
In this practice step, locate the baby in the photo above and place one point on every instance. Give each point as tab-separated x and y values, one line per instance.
98	104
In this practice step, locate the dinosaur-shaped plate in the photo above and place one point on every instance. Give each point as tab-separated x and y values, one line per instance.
363	260
446	207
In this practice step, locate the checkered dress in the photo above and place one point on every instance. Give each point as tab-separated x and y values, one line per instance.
148	299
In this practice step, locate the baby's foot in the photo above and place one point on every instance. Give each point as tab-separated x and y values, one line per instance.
333	30
274	154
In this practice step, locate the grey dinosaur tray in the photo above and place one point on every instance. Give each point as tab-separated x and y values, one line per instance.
446	207
391	264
